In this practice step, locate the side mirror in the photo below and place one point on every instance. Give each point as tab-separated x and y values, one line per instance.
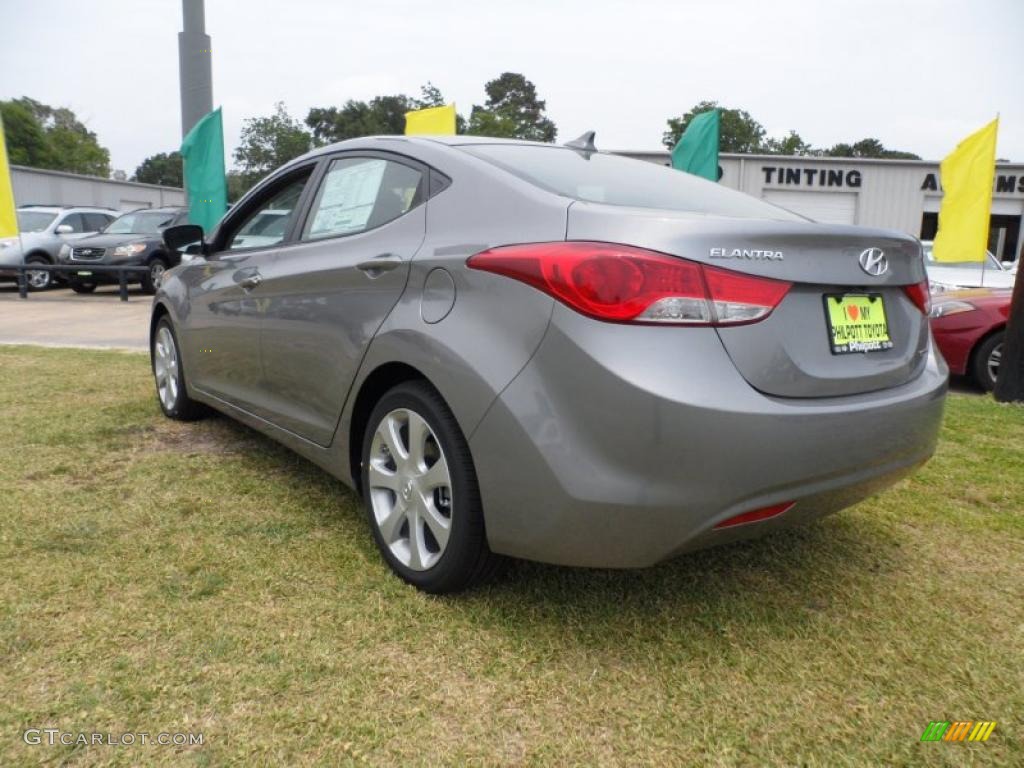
182	235
64	229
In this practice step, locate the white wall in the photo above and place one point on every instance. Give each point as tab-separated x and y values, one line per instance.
33	185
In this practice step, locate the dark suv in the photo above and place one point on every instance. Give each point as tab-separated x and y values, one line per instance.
133	239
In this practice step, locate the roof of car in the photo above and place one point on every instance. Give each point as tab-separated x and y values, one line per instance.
164	209
59	208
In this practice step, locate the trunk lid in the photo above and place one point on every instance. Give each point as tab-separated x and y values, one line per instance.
788	354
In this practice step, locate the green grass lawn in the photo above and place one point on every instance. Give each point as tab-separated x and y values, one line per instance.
160	577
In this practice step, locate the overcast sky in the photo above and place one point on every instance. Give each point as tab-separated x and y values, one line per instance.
916	74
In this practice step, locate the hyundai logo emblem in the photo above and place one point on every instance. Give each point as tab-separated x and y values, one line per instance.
873	261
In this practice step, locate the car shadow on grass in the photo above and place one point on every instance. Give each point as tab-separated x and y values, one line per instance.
779	582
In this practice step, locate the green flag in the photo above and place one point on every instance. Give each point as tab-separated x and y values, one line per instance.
203	152
697	150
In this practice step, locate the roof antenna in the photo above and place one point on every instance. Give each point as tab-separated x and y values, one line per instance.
584	143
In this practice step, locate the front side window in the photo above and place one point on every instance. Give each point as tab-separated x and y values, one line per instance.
94	222
616	180
361	193
267	224
34	221
73	220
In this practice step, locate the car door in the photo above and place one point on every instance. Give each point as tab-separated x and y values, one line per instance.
328	292
225	303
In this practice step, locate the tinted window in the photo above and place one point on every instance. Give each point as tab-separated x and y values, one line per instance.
360	193
267	222
73	220
617	180
34	221
94	222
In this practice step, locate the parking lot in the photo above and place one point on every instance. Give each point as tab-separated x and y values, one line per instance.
62	318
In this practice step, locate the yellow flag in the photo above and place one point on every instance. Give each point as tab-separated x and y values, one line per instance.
8	216
967	176
435	121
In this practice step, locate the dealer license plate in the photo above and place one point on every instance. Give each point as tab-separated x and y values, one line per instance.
857	323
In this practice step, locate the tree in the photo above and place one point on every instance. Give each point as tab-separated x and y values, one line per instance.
164	168
270	142
738	131
26	139
869	148
512	111
792	144
42	136
381	115
1010	381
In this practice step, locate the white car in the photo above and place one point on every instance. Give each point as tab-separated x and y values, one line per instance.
951	275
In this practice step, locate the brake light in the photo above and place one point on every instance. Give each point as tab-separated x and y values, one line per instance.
920	294
620	283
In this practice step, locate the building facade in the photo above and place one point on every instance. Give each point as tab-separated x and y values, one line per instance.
895	194
42	187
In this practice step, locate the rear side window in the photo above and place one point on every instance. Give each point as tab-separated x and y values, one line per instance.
616	180
361	193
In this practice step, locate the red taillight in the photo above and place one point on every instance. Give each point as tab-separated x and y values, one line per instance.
620	283
920	295
756	515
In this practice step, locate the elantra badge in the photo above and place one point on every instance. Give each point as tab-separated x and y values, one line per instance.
745	253
873	262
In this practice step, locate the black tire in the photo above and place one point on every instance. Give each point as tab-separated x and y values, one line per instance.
183	407
151	281
81	287
981	373
466	559
46	277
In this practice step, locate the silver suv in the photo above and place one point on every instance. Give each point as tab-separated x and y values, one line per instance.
44	229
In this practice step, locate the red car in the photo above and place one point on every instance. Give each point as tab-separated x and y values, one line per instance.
969	327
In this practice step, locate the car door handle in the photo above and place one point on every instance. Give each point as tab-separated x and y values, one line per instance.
251	281
379	265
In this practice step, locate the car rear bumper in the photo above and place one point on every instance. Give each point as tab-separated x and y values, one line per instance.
621	446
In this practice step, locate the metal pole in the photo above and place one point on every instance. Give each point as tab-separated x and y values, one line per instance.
194	70
22	284
123	280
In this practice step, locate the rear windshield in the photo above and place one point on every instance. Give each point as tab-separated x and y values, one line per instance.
616	180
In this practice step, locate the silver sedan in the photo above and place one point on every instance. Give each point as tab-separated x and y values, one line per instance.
552	353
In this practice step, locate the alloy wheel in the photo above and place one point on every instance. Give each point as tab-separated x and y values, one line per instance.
37	279
165	367
994	359
410	489
156	273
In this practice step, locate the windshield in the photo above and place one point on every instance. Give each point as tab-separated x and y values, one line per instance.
139	223
34	221
990	261
616	180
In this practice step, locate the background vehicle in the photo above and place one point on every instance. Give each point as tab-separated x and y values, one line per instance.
969	328
44	230
554	353
953	275
132	239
